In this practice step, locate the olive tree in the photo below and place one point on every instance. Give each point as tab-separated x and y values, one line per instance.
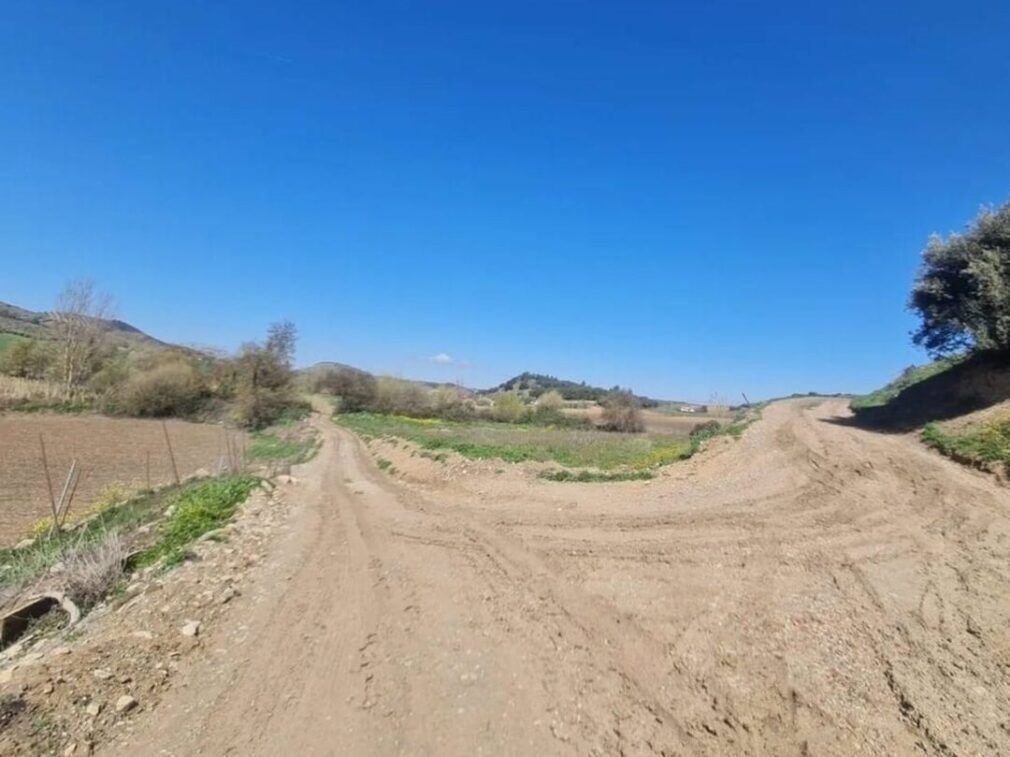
962	292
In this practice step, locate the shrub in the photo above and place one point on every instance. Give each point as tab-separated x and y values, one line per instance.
91	569
450	403
27	358
397	397
621	412
356	389
257	408
509	408
705	430
551	401
172	389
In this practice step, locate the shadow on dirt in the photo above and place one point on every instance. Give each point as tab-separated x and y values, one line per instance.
975	384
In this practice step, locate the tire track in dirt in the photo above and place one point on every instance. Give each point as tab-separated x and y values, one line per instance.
810	589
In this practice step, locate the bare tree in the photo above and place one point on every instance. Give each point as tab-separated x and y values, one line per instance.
281	339
78	317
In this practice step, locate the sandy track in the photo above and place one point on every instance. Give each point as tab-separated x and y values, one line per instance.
810	589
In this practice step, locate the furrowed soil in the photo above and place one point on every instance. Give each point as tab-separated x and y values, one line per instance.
108	451
810	588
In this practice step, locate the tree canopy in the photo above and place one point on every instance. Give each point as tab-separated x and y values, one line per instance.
962	293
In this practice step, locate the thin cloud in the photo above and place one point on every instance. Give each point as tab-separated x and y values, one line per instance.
442	358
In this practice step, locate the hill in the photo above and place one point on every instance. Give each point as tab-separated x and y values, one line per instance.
535	384
19	322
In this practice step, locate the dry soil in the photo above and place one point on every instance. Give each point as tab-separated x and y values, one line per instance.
811	588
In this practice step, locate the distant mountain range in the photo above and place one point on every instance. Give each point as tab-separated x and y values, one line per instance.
20	322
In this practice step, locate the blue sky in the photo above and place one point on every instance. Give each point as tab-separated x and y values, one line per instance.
685	197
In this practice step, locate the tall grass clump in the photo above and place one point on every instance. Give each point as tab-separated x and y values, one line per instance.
92	568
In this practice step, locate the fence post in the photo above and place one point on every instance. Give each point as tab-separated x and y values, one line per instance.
49	479
171	454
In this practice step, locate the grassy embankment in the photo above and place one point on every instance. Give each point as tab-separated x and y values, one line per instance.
601	455
156	527
956	404
909	377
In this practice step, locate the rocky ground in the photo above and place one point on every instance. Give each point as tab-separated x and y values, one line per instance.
70	690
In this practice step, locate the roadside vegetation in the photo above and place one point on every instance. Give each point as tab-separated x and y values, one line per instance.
527	422
286	442
985	445
76	358
601	455
596	477
87	560
912	375
516	443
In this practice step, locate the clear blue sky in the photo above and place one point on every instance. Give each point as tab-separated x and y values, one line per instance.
684	197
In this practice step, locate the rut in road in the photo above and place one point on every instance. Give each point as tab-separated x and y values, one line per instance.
809	589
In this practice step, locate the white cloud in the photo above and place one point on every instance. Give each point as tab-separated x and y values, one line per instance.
442	358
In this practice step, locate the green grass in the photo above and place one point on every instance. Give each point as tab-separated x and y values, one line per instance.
985	444
9	340
516	443
197	510
273	446
588	476
909	377
69	407
18	566
199	506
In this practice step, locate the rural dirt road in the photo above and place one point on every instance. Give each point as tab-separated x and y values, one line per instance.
809	589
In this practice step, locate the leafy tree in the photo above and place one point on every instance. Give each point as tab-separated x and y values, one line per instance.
962	293
264	379
356	389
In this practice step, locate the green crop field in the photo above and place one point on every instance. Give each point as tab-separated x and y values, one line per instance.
520	443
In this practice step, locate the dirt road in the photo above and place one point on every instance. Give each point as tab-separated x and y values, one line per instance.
810	589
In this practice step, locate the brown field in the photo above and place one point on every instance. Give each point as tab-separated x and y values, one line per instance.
679	425
109	450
